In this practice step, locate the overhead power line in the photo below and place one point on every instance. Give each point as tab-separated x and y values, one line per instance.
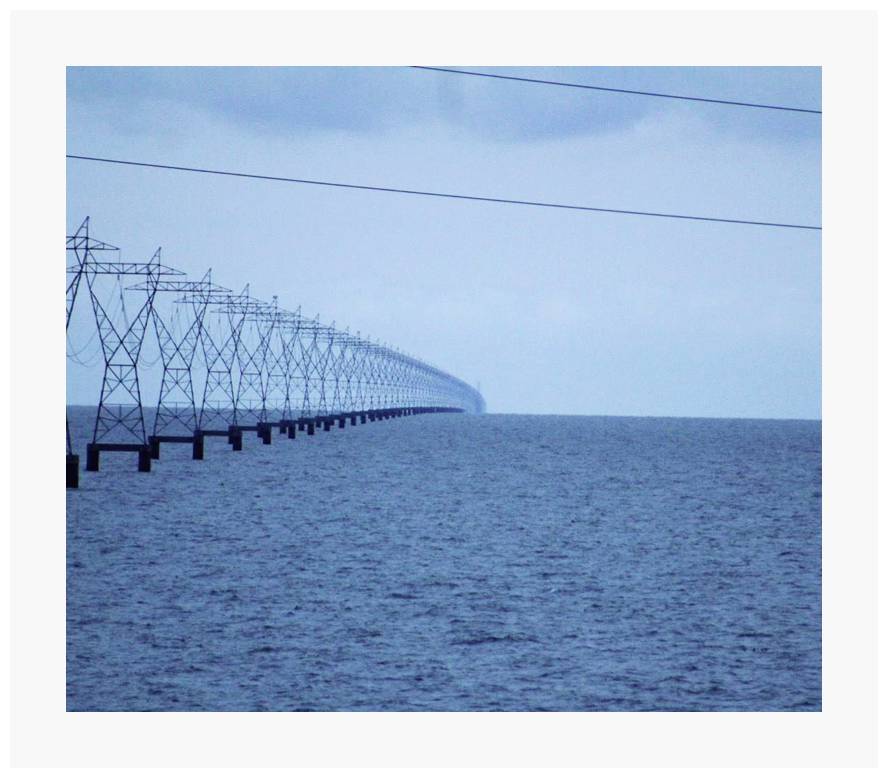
440	195
619	91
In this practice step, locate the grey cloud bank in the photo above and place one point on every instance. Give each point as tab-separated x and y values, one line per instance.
371	99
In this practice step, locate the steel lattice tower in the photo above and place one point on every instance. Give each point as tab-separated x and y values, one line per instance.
260	366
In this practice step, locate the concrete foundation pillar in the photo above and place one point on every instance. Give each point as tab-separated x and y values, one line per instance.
92	459
73	471
311	428
199	445
144	457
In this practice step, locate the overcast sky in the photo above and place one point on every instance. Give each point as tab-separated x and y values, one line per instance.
552	311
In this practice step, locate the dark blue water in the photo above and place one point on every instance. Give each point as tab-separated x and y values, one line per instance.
453	563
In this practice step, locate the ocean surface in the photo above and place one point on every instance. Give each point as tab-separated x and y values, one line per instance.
453	563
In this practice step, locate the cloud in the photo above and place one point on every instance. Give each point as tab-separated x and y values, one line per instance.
301	100
275	100
355	99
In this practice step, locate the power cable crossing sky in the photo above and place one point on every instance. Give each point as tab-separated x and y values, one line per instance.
618	91
442	195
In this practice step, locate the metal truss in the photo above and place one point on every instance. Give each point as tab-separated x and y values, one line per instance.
220	344
259	365
280	368
251	392
120	410
80	247
179	341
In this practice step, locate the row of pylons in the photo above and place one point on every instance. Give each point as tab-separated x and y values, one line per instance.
235	433
231	364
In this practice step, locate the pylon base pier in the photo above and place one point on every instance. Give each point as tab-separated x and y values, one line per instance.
73	471
93	454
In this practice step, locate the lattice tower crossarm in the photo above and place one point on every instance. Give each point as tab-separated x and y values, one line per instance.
176	406
120	408
80	245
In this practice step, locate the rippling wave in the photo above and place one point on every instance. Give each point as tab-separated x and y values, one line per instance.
454	563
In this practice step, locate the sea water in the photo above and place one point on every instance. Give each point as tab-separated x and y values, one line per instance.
453	563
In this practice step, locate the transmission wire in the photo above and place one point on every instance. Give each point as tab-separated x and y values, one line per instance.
443	195
618	91
77	356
